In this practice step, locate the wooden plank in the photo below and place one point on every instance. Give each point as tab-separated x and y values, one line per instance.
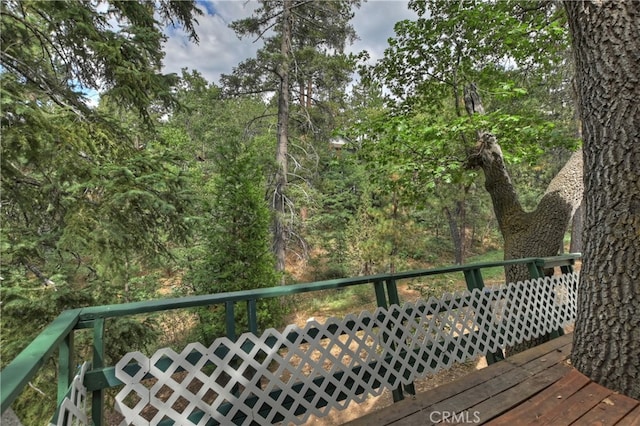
415	404
514	396
469	398
575	406
477	394
552	351
610	410
631	419
544	401
562	344
557	356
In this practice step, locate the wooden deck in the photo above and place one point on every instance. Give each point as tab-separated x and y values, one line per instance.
538	387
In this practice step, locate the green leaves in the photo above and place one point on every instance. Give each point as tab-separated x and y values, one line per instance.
62	48
452	43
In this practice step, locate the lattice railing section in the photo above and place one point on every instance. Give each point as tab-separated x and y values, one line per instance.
285	377
73	410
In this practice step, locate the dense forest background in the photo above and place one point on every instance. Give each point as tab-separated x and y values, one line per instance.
303	164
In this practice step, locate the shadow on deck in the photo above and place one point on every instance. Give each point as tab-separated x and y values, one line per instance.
538	386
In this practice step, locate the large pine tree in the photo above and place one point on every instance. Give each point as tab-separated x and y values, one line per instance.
607	50
295	60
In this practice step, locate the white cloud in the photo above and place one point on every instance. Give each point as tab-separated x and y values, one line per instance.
374	23
220	50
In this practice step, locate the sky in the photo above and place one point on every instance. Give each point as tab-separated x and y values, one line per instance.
220	50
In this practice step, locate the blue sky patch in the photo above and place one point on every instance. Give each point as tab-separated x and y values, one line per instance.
208	6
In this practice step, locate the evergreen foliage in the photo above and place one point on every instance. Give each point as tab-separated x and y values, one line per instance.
232	249
63	48
81	195
237	250
87	202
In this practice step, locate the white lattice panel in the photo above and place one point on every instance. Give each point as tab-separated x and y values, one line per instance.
278	377
73	410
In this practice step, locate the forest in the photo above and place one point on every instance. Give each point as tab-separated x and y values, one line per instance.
303	164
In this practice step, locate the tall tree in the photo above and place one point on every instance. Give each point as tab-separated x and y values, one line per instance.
438	57
74	178
607	51
304	30
282	147
227	158
87	196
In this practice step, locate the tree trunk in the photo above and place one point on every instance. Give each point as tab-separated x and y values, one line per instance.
455	235
279	197
529	234
309	93
539	233
577	225
607	53
457	228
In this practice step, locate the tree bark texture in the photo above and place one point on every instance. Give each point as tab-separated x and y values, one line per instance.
538	233
606	39
281	179
577	224
458	229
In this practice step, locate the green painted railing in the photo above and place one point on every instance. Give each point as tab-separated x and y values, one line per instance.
58	336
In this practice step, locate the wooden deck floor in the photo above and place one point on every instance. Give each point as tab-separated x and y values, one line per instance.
538	387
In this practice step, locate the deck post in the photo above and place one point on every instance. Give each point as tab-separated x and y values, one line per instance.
536	269
381	300
97	400
392	291
394	299
230	324
65	369
230	320
252	313
65	366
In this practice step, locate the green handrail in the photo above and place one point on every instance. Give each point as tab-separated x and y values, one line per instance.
110	311
59	334
21	370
